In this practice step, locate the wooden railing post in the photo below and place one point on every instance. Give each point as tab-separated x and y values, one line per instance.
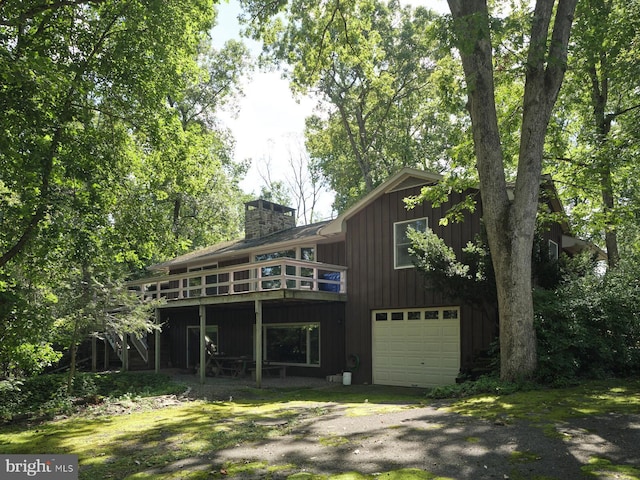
203	342
157	341
258	310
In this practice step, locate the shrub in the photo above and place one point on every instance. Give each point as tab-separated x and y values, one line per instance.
487	384
590	325
46	395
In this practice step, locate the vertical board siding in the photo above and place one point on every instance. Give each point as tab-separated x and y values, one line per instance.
374	283
236	331
174	327
332	253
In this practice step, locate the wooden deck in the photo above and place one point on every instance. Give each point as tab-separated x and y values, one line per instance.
268	276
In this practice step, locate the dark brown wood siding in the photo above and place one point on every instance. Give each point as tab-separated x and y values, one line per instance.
236	326
373	282
332	253
174	329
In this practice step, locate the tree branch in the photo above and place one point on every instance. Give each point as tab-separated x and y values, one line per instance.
611	116
46	7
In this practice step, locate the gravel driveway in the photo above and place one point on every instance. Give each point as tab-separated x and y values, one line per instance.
447	444
325	440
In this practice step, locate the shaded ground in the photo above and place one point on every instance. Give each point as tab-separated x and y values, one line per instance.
326	438
448	445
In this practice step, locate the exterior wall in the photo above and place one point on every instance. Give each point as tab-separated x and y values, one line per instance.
332	253
373	283
554	233
236	326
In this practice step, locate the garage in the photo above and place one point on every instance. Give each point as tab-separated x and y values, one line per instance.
416	347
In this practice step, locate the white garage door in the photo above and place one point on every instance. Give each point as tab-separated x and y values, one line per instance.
416	347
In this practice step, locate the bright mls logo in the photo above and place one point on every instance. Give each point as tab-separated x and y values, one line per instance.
52	467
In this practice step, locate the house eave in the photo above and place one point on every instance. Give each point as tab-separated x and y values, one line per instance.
235	249
402	180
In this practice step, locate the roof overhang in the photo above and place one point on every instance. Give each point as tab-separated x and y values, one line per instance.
402	180
305	235
575	246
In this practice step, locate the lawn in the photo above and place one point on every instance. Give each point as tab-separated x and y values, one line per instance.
144	435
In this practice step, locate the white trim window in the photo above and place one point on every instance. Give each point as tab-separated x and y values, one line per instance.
554	251
292	343
401	242
301	253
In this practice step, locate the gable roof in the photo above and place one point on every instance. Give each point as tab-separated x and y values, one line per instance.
401	180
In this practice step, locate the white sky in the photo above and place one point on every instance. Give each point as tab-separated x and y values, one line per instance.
270	122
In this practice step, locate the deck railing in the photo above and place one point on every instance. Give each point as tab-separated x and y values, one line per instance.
281	273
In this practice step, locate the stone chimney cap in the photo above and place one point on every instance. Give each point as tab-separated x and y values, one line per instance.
267	205
262	218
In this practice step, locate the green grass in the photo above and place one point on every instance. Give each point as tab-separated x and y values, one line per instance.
178	441
555	405
603	468
153	443
402	474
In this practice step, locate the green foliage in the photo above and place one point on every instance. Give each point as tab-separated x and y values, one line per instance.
469	280
46	395
388	87
110	158
31	359
25	332
593	144
590	325
487	384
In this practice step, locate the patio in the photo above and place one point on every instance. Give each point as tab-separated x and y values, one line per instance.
224	387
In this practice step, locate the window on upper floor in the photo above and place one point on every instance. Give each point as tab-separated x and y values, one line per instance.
401	242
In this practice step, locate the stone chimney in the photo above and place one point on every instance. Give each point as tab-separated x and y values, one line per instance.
262	218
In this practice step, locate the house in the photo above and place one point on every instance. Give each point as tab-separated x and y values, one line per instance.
322	298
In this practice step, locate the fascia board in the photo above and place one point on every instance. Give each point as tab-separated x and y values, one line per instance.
393	183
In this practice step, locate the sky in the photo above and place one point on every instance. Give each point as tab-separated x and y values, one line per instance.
270	121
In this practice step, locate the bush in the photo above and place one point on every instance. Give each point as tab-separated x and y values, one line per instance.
487	384
10	393
46	395
590	325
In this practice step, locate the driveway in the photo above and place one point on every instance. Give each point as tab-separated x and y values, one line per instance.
327	438
448	445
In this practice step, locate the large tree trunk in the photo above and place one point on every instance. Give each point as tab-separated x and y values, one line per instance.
511	223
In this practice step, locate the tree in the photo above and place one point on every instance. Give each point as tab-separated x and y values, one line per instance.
510	223
306	184
300	188
109	156
599	113
63	62
373	65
